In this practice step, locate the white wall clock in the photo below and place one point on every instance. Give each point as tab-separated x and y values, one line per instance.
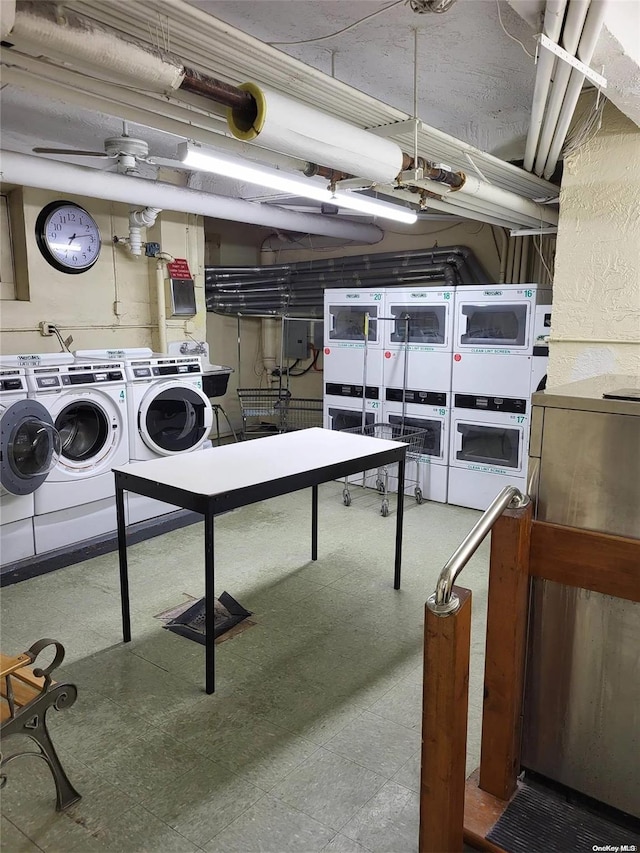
68	237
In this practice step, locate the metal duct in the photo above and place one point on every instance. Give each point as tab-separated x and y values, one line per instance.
297	289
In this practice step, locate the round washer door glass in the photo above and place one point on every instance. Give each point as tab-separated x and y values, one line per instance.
175	419
84	431
30	447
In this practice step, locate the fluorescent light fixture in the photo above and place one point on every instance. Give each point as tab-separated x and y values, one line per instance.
195	158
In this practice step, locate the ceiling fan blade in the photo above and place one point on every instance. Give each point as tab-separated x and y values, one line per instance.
70	151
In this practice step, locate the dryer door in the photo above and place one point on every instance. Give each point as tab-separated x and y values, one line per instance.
174	418
29	447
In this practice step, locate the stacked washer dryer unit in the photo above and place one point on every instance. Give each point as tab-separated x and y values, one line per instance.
168	412
29	449
87	404
498	353
352	357
417	353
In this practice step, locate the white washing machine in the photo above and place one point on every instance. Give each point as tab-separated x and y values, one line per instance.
29	449
87	402
418	338
488	448
168	411
428	412
495	332
346	357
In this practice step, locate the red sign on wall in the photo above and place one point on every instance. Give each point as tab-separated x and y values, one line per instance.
179	268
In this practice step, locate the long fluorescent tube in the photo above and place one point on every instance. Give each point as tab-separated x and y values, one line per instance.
281	182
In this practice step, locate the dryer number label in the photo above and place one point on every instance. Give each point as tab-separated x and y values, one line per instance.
121	396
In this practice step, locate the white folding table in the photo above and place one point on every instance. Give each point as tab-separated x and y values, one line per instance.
223	478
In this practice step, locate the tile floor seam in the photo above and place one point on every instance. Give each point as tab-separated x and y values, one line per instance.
236	817
28	837
351	761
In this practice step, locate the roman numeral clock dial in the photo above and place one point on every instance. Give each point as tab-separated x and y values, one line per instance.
68	237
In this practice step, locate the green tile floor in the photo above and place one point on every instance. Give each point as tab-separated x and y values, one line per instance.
312	739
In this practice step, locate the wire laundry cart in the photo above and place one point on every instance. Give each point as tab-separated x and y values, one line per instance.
271	410
411	436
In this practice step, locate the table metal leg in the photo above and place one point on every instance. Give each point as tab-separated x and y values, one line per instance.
399	519
209	600
314	522
124	570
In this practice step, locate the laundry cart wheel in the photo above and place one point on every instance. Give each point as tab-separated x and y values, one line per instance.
384	509
419	495
346	497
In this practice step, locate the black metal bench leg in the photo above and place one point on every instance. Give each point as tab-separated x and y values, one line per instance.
33	724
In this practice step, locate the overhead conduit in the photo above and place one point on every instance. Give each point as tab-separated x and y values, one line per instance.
298	289
277	122
576	25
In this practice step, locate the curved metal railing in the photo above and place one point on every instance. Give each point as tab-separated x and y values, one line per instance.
444	601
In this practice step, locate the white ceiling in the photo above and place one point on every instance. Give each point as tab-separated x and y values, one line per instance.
473	81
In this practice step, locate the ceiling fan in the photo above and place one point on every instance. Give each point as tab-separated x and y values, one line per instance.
127	151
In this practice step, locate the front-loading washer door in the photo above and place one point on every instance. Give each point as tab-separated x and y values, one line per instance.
174	418
90	427
29	447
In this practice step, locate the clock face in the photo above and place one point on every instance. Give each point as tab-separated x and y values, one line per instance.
68	237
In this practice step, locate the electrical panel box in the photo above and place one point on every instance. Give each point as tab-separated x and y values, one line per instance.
296	339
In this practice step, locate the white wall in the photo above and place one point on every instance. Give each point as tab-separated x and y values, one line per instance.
596	303
111	305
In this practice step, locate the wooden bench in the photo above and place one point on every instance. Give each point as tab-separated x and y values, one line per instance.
26	694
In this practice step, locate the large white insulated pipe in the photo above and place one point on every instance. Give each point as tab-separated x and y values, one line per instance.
42	173
299	130
590	35
553	18
571	32
63	34
492	196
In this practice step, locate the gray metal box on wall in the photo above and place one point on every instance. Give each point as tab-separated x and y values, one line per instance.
296	339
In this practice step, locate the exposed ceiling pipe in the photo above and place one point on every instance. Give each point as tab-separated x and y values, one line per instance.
7	17
61	34
139	219
553	18
29	171
41	26
571	32
590	35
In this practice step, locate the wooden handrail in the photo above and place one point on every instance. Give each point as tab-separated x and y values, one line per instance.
447	643
507	608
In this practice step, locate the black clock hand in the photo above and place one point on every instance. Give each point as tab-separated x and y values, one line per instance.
72	238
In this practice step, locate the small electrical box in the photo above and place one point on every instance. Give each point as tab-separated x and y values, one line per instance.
296	339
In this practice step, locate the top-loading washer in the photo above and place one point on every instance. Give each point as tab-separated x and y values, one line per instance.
87	402
29	449
168	411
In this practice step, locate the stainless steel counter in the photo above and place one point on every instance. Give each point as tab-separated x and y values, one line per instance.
582	697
